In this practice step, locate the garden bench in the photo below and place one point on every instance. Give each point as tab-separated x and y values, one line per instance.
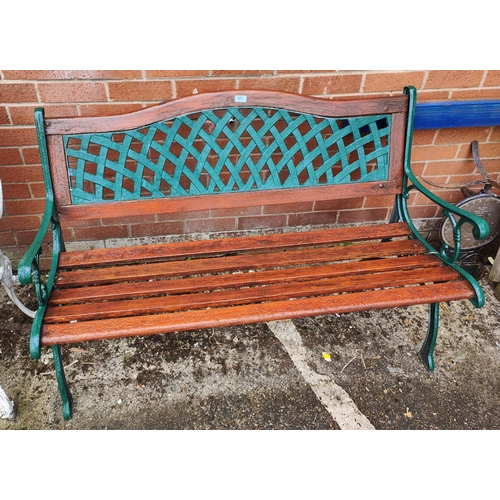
229	150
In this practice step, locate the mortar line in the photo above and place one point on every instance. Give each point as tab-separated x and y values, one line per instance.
335	399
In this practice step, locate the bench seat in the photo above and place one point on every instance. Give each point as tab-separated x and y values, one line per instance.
113	293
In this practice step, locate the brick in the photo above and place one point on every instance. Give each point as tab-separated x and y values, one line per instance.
99	74
37	189
475	94
461	135
433	95
138	219
418	168
188	87
24	115
108	109
288	208
4	117
450	195
72	92
235	212
495	134
100	232
24	207
199	214
333	84
370	215
261	222
7	238
140	91
27	237
305	71
15	191
424	212
211	225
53	74
488	150
338	204
312	218
393	81
283	84
379	201
173	73
20	222
17	136
442	180
157	229
68	234
423	137
439	79
491	166
17	92
31	156
455	167
87	223
427	153
492	78
246	72
16	253
460	179
10	156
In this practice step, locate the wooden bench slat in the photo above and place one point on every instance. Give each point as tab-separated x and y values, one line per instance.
212	282
106	256
156	305
253	313
239	262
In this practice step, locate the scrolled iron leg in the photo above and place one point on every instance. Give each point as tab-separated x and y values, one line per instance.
61	382
427	349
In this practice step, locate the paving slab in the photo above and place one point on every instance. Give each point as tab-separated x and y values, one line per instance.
357	370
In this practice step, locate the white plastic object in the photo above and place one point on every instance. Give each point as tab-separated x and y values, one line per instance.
7	279
6	406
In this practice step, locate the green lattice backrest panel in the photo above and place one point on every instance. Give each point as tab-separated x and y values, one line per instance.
227	150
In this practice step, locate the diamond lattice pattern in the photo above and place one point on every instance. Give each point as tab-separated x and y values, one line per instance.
221	151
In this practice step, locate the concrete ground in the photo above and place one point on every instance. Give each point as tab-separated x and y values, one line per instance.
355	371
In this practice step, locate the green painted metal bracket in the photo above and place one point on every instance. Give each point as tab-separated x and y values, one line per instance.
28	269
66	398
480	227
426	353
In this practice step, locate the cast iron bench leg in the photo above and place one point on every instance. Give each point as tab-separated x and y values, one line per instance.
427	348
61	382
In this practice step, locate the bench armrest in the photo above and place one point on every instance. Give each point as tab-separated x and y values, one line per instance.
30	258
28	269
457	216
480	228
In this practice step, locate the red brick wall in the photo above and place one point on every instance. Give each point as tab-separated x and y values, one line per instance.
443	156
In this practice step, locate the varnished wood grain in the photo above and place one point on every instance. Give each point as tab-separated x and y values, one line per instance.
144	253
126	290
214	100
145	206
142	272
247	295
253	313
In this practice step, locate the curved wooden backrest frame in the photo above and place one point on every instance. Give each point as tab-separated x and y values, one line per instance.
59	133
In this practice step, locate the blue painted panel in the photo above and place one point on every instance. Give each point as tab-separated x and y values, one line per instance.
457	114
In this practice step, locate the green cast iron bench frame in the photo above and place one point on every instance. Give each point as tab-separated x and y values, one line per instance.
228	150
